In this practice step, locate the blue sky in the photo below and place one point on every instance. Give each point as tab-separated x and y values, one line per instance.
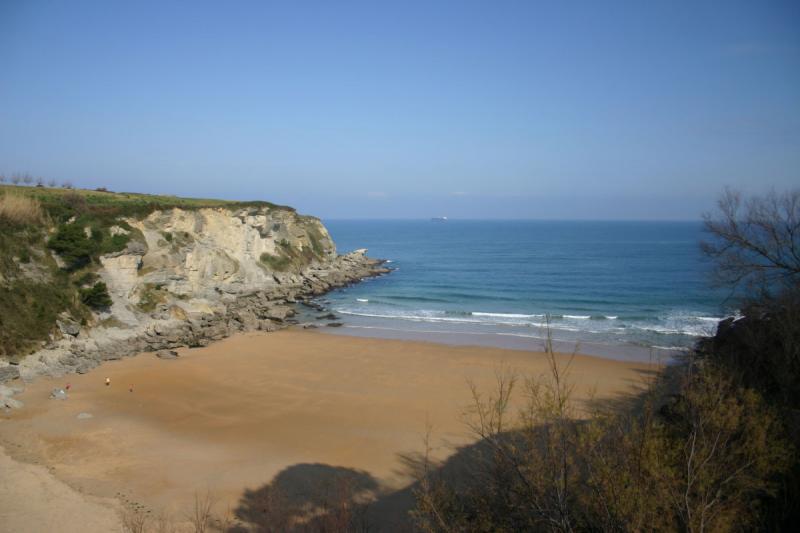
527	109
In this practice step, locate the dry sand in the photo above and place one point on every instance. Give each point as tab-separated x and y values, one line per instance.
231	416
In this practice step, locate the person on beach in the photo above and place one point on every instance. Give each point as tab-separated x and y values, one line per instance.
108	382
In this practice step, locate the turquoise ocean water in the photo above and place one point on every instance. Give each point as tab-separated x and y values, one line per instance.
626	289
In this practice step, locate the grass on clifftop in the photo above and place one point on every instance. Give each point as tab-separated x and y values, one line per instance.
61	204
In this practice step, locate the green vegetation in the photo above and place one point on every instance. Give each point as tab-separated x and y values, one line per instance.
278	263
28	312
33	291
62	204
150	296
96	296
78	249
291	258
87	278
315	237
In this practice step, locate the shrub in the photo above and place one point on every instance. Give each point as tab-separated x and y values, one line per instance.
19	209
150	295
289	257
97	296
28	311
278	263
72	244
704	462
78	250
75	202
87	278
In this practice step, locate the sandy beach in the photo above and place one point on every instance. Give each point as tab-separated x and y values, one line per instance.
231	417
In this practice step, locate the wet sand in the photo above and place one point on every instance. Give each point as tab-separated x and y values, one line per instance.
231	416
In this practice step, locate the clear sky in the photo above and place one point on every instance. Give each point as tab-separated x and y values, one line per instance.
489	109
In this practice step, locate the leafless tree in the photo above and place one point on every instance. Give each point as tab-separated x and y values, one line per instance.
15	179
66	184
40	181
202	516
27	179
134	520
51	183
2	178
755	243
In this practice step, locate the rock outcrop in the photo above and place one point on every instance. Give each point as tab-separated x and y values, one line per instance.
189	277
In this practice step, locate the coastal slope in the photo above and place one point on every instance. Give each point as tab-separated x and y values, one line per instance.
108	275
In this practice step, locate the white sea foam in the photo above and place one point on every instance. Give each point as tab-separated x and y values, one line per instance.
505	315
677	323
668	347
363	300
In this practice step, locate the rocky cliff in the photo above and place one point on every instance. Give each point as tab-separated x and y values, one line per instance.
189	276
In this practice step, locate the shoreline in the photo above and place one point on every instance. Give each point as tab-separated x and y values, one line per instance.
191	324
512	341
234	415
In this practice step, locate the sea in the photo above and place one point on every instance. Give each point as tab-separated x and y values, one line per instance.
626	290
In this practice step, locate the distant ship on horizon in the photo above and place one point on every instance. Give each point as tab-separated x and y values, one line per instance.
439	219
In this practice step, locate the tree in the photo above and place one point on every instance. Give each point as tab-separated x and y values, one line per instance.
755	243
72	244
27	179
2	178
51	183
97	296
67	184
15	179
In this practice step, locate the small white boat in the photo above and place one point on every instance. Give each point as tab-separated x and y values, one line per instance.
439	219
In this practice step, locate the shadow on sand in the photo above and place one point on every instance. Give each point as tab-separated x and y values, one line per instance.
305	498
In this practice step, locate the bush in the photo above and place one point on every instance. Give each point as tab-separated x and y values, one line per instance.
704	462
111	243
150	295
278	263
97	296
78	250
87	278
72	244
28	311
289	257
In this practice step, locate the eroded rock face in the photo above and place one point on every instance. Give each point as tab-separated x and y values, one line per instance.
7	373
189	277
205	251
